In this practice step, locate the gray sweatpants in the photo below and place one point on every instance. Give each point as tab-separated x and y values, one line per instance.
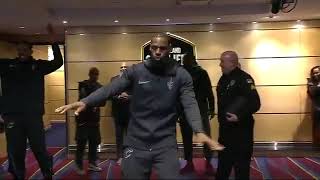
137	164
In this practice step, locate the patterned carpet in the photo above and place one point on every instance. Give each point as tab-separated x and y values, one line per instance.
261	167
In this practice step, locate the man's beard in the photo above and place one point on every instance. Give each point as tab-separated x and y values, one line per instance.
158	65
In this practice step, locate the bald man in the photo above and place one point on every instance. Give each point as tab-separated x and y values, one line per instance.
237	101
158	85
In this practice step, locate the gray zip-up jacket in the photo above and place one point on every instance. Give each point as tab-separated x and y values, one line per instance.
153	112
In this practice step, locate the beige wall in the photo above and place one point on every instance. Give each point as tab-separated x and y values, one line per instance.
278	58
54	86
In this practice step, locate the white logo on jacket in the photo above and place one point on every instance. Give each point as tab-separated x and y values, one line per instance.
170	84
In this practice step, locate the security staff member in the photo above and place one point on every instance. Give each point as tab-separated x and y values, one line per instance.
204	96
314	94
158	84
120	113
22	106
88	124
237	101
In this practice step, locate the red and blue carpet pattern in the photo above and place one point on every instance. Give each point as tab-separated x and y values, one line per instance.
261	168
64	168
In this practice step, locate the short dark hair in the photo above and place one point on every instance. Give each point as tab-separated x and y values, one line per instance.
311	72
93	70
190	56
25	43
163	35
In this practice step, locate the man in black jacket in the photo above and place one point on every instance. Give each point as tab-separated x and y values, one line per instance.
238	99
158	84
88	124
120	113
314	94
22	106
204	96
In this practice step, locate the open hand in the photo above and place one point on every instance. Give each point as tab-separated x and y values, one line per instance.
204	139
79	106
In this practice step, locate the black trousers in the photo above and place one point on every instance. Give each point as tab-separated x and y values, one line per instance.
121	125
238	140
19	128
137	163
240	160
187	133
91	134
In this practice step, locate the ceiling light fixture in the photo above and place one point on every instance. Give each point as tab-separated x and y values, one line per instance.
298	26
271	17
65	22
218	18
168	20
116	21
21	27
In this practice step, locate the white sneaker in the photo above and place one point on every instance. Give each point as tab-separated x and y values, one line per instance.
93	167
119	161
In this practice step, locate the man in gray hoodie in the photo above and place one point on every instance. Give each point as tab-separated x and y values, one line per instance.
158	84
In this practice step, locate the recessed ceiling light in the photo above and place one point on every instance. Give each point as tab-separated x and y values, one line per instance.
21	27
218	18
271	17
124	33
81	34
65	22
167	20
210	31
116	21
254	22
211	24
298	20
298	26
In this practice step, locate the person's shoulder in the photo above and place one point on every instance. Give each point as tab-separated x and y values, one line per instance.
99	84
244	74
114	77
181	70
201	70
40	61
245	77
182	73
138	65
83	82
7	60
